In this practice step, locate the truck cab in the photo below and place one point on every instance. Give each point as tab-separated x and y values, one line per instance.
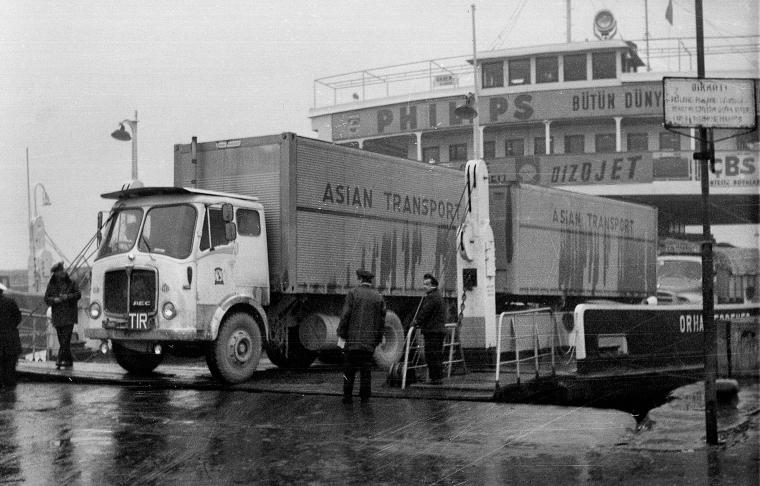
185	271
680	275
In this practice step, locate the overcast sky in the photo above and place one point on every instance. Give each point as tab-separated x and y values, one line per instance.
70	71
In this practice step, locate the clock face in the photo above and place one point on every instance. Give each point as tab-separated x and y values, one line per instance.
528	173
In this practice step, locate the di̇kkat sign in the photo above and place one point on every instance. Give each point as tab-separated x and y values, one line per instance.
709	103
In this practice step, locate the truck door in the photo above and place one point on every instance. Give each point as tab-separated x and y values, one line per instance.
216	264
252	267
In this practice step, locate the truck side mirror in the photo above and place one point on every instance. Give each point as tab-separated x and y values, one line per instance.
227	213
100	227
230	231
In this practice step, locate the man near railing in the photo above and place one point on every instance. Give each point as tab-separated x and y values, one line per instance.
10	343
431	319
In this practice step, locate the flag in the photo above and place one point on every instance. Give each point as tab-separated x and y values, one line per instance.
669	12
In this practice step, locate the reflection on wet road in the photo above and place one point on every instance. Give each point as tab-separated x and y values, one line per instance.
71	434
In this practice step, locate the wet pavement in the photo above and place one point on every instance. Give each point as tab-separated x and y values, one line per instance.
131	432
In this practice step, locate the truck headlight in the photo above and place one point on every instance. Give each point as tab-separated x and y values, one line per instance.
94	310
168	311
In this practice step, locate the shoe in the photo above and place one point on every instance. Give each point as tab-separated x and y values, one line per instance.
347	400
58	365
67	364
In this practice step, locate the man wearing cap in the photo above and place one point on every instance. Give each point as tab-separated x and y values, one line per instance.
431	319
361	326
10	344
62	295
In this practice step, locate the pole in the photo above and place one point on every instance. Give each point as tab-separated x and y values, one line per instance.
646	30
31	275
706	156
476	145
568	7
133	126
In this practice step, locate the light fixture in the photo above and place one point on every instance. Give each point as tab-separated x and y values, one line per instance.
121	134
467	110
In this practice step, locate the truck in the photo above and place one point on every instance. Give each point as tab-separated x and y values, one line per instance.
527	244
255	246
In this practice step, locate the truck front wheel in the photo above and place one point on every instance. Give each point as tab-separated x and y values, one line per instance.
235	354
136	362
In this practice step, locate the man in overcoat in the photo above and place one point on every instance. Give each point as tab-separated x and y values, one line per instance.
62	295
361	326
10	344
431	320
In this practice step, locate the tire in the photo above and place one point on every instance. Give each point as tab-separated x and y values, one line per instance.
391	349
235	354
136	362
297	356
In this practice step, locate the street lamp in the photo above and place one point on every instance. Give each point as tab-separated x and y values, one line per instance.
122	134
45	197
469	111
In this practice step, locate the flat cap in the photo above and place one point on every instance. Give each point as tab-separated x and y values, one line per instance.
56	267
366	274
433	280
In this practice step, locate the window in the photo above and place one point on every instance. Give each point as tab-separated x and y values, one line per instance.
248	222
539	145
604	142
670	141
458	151
637	142
519	72
514	147
547	69
575	144
169	230
748	141
431	154
121	232
574	67
218	236
603	65
493	74
489	150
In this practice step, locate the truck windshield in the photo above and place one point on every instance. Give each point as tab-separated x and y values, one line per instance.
121	232
168	230
680	269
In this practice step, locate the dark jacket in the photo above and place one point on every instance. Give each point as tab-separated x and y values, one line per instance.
432	314
363	319
10	317
62	295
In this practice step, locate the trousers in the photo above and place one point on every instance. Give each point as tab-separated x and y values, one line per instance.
64	343
434	354
357	360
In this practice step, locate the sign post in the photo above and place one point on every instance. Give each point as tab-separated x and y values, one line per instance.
706	104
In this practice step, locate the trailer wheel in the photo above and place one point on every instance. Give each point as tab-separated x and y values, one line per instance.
235	354
136	362
391	348
297	355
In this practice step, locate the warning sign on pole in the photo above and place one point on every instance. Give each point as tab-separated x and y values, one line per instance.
709	103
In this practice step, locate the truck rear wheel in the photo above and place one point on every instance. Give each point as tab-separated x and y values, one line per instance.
297	356
392	347
136	362
235	354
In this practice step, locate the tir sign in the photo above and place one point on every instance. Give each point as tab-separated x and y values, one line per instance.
138	322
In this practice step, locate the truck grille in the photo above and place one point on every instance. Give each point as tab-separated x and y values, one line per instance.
130	291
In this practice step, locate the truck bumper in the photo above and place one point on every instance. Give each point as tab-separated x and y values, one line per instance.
153	335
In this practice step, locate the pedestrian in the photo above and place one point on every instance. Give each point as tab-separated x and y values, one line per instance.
62	295
10	343
431	318
361	327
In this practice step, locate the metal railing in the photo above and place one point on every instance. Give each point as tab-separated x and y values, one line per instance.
534	335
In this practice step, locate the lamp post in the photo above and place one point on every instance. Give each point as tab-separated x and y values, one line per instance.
35	277
469	110
124	136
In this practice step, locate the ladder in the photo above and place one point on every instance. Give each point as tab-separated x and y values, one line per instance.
453	345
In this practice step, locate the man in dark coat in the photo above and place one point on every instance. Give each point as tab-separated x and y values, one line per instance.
361	327
10	344
62	295
431	319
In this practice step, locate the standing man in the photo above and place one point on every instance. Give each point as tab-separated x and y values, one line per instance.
431	319
62	295
10	344
361	326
